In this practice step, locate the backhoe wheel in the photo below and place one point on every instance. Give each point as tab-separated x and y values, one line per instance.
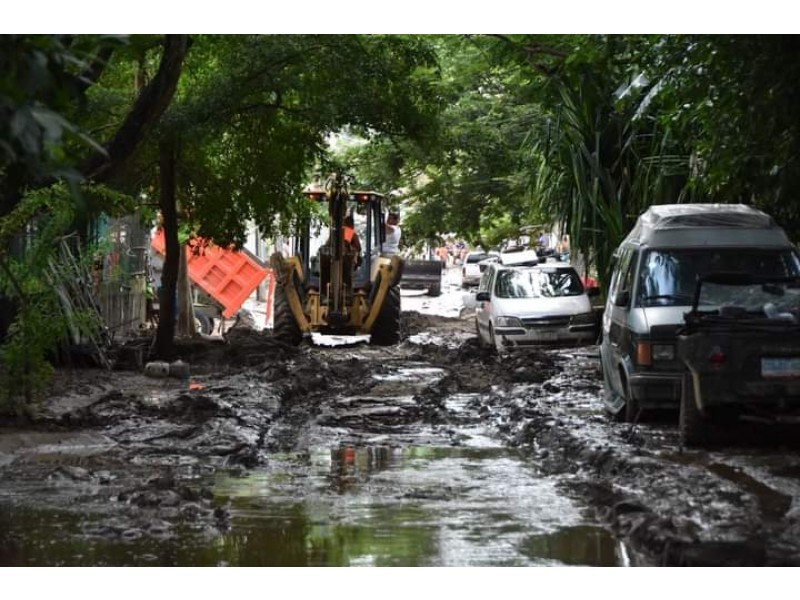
691	422
386	330
284	325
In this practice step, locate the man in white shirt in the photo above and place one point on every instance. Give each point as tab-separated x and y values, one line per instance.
392	243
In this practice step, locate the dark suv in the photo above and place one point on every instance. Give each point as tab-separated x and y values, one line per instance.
653	284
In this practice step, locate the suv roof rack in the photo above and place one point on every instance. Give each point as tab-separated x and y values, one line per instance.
664	221
670	216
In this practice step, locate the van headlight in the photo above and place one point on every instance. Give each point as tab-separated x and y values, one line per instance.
508	322
663	352
647	353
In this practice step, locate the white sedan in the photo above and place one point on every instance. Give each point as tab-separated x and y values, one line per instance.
524	306
473	267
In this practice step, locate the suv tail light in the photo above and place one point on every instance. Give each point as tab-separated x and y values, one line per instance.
717	356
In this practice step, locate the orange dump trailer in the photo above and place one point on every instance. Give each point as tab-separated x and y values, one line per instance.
228	276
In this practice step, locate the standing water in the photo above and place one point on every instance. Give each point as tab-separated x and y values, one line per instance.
425	506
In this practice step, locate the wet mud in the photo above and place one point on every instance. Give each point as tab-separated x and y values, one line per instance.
336	444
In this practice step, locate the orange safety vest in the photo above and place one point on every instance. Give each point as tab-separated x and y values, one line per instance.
349	232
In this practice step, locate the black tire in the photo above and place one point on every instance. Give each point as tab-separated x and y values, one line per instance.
493	342
386	330
692	423
203	323
632	408
435	290
619	416
284	325
481	343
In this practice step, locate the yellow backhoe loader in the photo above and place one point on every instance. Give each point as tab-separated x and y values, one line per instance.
328	288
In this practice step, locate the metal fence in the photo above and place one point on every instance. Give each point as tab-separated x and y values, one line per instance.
120	273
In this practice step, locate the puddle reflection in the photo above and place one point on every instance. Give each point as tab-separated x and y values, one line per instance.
431	506
348	506
581	545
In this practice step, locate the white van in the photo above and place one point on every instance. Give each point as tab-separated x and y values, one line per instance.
654	277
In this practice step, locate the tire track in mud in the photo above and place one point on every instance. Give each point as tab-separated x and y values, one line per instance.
673	508
428	393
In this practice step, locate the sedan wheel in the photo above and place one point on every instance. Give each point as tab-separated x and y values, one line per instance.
493	341
481	342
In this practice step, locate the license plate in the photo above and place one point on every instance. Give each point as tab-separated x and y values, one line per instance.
780	367
546	336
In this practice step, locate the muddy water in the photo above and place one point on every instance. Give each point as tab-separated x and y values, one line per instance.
365	485
474	505
380	506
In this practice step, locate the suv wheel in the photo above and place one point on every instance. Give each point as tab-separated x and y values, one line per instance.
691	422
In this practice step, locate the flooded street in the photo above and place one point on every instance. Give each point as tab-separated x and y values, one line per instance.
408	507
434	452
436	495
351	491
371	507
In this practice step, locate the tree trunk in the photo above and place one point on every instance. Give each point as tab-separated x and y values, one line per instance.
185	326
165	335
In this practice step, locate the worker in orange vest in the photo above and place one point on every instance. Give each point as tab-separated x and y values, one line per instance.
351	237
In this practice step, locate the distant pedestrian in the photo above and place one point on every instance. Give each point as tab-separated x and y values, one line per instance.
544	240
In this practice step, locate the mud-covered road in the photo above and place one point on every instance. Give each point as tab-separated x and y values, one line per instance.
434	452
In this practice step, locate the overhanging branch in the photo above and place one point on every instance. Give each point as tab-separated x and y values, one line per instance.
147	110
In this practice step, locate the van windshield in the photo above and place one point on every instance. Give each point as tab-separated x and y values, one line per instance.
668	277
534	283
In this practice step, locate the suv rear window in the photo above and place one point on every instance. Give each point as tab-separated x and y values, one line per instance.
473	258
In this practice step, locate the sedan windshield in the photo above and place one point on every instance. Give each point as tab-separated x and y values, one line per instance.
536	283
669	277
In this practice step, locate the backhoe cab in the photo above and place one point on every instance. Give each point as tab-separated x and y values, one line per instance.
323	288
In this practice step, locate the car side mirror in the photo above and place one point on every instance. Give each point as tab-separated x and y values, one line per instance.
482	296
623	298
